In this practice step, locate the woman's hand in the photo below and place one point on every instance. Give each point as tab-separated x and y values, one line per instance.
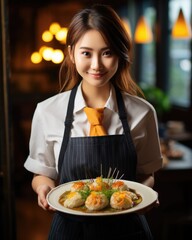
149	181
42	185
157	203
42	191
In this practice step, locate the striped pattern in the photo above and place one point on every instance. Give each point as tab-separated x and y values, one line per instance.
85	156
122	227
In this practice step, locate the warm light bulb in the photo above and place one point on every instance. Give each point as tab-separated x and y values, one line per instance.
61	35
47	36
143	33
181	29
57	56
47	53
36	58
54	28
41	50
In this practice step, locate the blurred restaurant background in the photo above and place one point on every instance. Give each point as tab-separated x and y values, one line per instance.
32	41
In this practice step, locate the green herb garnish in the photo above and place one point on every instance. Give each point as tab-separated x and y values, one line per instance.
84	193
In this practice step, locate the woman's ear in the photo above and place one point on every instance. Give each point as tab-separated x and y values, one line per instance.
70	52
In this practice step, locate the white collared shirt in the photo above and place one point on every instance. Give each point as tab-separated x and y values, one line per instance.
48	128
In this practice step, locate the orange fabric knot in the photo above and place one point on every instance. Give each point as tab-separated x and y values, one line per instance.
95	117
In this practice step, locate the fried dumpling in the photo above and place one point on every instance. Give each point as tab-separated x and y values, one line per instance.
98	184
79	185
121	200
73	199
96	201
132	195
119	185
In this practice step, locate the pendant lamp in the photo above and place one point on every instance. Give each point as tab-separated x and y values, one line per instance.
143	33
181	28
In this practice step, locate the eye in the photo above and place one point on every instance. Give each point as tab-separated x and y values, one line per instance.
107	53
86	54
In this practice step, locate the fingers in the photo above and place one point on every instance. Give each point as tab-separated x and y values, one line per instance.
42	202
157	203
42	192
150	207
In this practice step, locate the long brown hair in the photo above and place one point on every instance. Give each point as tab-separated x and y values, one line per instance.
105	20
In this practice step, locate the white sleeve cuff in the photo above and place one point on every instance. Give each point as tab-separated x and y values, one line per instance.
36	167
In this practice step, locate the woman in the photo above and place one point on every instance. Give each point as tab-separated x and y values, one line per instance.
96	76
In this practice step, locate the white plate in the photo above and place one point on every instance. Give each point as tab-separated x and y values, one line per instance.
149	196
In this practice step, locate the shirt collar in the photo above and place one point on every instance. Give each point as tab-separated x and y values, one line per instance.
111	102
80	101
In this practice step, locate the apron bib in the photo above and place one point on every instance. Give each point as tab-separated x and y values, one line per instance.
89	157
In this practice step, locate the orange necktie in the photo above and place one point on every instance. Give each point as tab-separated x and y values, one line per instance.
95	117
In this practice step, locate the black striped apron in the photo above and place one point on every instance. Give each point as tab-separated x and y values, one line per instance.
86	157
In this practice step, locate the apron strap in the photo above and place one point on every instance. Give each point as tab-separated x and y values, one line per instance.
68	124
130	144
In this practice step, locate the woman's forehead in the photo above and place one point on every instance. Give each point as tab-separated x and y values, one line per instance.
93	38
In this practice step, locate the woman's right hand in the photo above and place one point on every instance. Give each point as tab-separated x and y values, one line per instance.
42	192
42	185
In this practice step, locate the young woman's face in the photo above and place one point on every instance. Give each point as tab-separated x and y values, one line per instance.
94	59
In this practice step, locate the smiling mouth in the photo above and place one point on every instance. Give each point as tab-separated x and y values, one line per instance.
97	75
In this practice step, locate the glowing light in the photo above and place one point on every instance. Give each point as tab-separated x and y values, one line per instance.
143	33
36	57
54	28
47	36
61	35
41	50
57	56
47	53
181	28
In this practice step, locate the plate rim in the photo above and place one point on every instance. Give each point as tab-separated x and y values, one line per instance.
131	184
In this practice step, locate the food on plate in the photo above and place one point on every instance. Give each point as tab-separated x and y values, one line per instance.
132	195
99	184
79	185
119	185
73	199
100	194
96	201
121	200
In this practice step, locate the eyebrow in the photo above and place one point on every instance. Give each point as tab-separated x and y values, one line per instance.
87	48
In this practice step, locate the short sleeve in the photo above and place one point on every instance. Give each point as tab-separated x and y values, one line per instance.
41	158
149	158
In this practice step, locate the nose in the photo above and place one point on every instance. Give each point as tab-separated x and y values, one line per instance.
96	63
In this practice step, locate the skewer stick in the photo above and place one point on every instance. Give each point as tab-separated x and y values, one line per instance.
109	173
117	174
121	176
113	172
101	170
